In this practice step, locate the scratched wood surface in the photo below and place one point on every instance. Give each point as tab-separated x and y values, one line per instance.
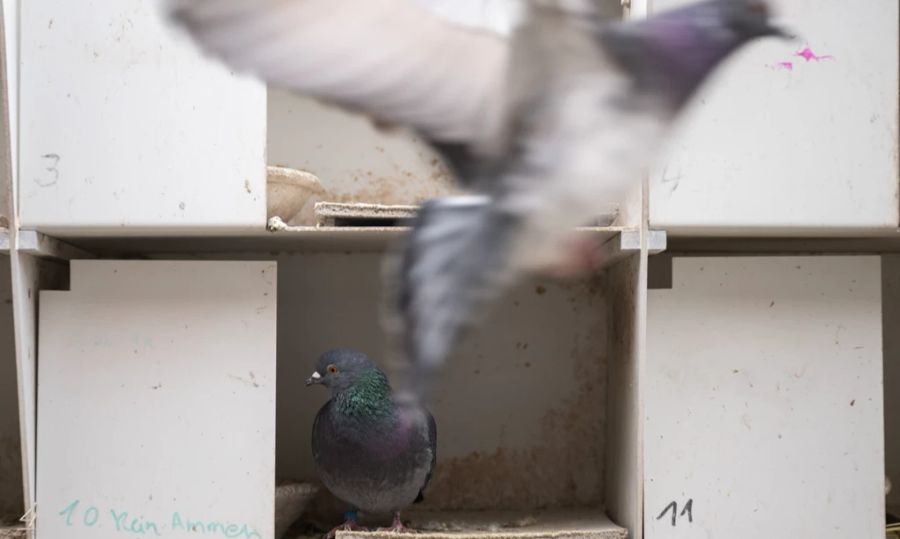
156	399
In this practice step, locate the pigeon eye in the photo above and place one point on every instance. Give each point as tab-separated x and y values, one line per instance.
332	369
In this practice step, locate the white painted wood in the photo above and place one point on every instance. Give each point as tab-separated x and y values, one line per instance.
9	85
625	432
810	150
890	279
764	399
157	398
29	275
126	128
24	272
37	244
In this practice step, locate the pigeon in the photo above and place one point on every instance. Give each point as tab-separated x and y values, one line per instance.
548	127
371	451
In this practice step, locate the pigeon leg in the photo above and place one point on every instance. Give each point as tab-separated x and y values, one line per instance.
349	524
397	526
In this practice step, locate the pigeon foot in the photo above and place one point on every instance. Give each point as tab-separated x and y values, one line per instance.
397	526
349	525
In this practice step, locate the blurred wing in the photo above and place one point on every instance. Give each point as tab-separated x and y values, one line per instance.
499	16
452	264
391	59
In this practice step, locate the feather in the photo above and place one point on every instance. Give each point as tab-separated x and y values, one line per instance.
392	59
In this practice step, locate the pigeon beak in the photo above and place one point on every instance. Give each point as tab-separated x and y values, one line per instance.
316	378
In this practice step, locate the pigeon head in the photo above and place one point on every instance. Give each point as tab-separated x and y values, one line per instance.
342	369
672	53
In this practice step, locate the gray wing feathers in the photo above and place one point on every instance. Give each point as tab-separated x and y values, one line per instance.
454	262
392	59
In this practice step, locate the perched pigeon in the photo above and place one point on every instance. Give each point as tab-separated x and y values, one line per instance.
371	451
552	125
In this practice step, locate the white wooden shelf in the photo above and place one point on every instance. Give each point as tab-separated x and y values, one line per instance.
617	241
546	524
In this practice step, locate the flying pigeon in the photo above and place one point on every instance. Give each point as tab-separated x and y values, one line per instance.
549	126
371	451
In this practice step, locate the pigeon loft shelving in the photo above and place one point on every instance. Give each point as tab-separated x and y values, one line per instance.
551	379
173	346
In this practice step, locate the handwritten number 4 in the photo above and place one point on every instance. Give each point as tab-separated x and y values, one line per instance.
688	509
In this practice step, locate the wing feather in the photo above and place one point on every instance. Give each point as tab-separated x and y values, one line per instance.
391	59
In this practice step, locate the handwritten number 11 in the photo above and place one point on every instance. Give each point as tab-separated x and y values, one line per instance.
688	509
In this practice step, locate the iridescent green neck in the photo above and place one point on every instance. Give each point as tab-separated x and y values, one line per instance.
370	396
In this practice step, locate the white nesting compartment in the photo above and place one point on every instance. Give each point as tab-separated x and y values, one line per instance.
791	137
156	401
536	413
764	409
125	128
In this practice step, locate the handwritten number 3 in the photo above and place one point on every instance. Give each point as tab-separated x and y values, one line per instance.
688	509
51	162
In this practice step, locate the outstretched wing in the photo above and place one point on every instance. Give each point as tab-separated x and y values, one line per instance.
455	261
391	59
